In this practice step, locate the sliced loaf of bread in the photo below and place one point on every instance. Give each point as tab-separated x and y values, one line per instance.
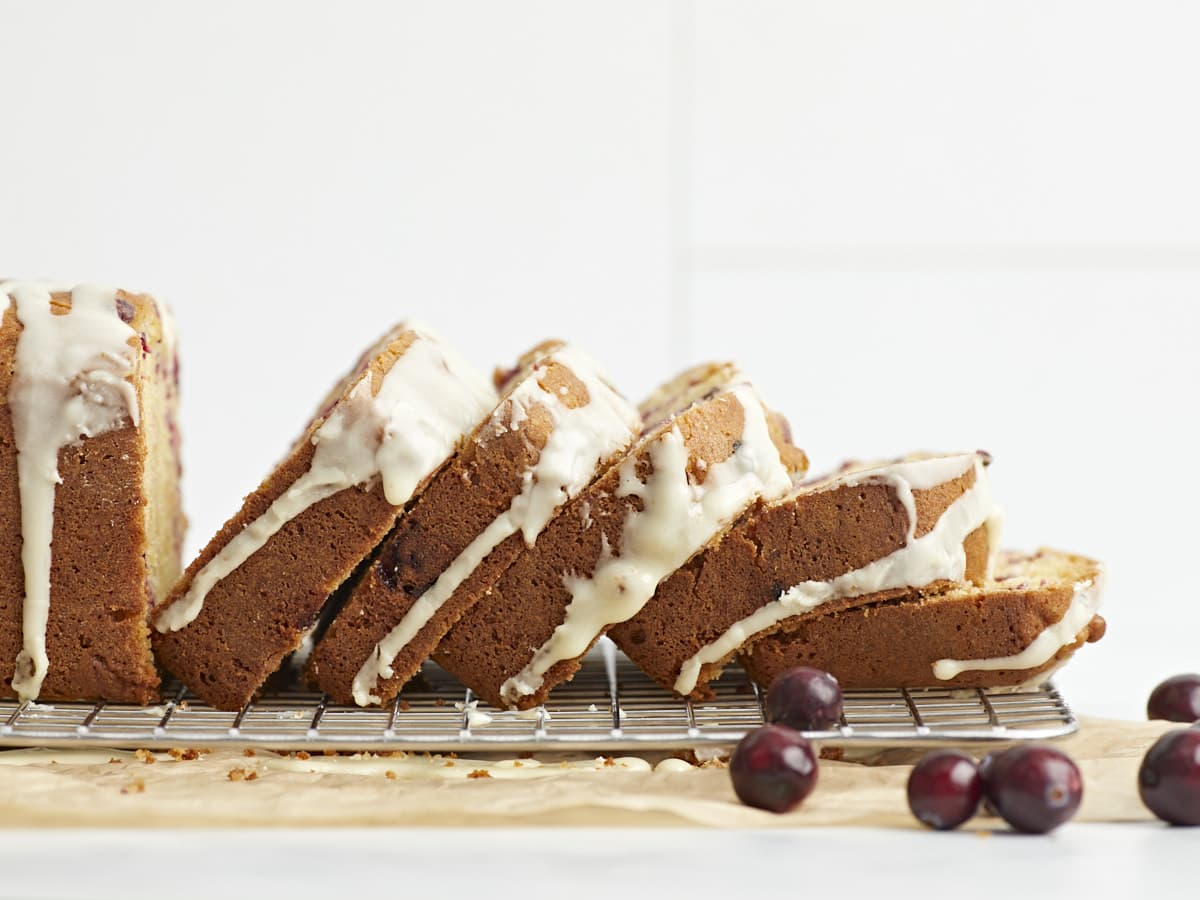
90	522
854	538
559	423
709	450
258	588
1013	631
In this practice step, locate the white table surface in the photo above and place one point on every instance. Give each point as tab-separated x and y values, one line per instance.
1094	861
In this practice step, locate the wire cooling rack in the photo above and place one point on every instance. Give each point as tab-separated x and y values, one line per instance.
610	705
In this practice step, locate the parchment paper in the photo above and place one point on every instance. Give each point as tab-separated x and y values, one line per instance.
118	788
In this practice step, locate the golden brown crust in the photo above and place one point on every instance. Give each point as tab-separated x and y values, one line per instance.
477	486
261	611
499	635
101	590
896	643
689	386
815	534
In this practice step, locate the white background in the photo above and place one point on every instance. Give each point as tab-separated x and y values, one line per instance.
937	225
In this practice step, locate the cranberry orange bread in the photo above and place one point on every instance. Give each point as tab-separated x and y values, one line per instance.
559	423
1015	630
854	538
707	453
89	511
260	585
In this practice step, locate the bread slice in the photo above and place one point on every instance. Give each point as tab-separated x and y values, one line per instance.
1014	631
708	452
259	586
860	536
559	423
90	521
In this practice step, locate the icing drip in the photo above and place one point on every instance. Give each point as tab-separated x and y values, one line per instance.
676	520
1084	605
581	438
474	717
937	555
70	382
426	402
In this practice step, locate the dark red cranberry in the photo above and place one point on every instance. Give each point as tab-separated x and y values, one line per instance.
985	766
124	310
1169	779
1034	788
944	789
805	699
773	768
1176	699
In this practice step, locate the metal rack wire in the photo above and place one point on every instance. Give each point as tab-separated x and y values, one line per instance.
610	705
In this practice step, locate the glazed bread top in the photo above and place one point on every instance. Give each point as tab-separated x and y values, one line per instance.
394	420
86	361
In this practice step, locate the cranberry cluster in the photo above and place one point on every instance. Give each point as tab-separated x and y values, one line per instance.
774	767
1033	787
1169	778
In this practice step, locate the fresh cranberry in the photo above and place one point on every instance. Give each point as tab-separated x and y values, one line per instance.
944	789
1176	700
985	767
1169	779
773	768
1034	788
805	699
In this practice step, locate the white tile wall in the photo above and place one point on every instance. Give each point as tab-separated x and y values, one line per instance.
945	121
944	223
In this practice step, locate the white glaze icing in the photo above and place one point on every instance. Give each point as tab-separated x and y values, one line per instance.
71	381
1085	603
935	556
581	438
919	474
426	402
1031	684
534	713
676	520
475	717
994	526
671	765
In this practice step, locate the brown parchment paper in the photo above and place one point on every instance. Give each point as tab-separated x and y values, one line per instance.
227	788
